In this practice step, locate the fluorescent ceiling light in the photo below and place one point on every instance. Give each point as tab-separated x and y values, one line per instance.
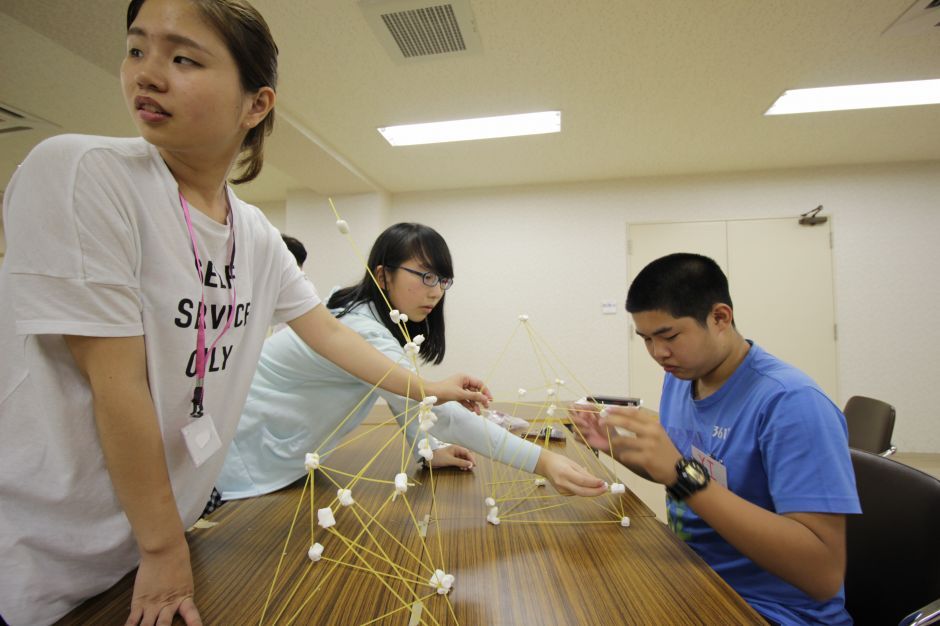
477	128
872	96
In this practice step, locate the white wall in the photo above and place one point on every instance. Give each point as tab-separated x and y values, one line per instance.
331	260
555	253
276	212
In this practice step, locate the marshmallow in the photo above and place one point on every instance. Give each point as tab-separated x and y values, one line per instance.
401	482
442	581
325	517
418	339
342	226
625	521
312	461
424	449
523	318
493	516
426	416
315	552
550	392
411	347
490	502
604	412
539	482
550	410
617	488
395	315
404	318
345	497
559	382
521	391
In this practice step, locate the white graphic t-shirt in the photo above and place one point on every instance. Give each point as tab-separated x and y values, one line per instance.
97	245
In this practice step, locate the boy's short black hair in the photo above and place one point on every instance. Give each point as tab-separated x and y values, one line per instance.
296	248
681	284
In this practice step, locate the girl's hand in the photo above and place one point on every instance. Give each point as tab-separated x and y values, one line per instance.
453	456
465	389
164	587
568	477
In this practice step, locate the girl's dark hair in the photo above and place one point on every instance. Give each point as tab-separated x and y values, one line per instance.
396	245
250	43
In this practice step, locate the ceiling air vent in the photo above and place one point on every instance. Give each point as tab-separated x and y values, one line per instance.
923	16
414	29
13	120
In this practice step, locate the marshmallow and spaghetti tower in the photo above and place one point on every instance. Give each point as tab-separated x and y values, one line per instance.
421	578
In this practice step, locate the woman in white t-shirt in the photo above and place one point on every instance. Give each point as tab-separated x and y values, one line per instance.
300	402
135	296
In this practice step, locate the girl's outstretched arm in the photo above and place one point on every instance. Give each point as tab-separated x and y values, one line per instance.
344	347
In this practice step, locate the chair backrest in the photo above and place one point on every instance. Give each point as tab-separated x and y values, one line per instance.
893	547
870	423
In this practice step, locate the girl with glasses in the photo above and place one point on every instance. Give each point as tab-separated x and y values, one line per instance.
297	398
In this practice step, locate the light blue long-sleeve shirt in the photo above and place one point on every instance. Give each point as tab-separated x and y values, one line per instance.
297	399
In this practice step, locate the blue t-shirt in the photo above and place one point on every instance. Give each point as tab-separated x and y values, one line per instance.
784	446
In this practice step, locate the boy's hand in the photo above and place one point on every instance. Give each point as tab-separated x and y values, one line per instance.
584	415
650	448
566	476
453	456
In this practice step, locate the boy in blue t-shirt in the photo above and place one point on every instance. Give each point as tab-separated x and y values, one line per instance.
754	455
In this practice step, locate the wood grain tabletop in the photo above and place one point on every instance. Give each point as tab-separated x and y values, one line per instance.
551	560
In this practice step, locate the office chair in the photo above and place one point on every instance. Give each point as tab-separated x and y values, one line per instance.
893	547
870	423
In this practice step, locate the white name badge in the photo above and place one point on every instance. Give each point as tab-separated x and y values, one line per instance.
202	440
716	470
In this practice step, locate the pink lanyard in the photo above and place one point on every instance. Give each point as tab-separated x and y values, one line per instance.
201	351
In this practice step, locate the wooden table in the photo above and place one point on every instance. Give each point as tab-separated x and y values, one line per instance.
571	564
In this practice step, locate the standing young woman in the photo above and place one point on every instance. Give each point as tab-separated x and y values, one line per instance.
135	296
299	401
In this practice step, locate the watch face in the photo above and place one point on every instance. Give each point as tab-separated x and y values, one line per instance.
694	472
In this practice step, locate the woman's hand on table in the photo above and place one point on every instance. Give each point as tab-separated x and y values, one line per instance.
453	456
568	477
164	587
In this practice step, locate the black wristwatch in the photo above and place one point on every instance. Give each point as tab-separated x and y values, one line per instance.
691	476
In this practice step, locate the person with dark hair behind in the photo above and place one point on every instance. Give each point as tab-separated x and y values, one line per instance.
298	399
754	455
299	252
296	248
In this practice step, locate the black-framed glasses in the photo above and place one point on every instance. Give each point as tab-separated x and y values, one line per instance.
428	278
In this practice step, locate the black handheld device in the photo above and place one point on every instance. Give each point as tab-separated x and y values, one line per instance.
618	400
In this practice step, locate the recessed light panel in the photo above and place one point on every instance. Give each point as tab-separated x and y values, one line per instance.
871	96
475	128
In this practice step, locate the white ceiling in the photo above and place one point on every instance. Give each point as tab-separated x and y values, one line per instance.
646	88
